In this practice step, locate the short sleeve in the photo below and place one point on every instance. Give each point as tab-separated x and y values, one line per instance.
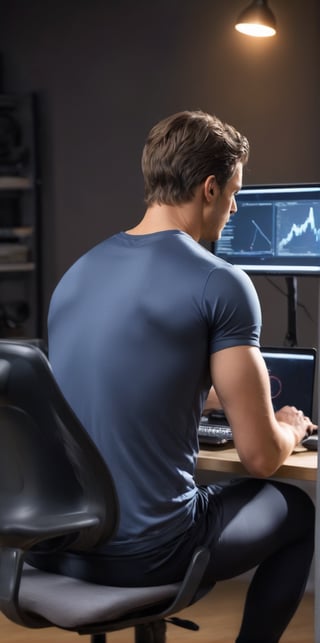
232	309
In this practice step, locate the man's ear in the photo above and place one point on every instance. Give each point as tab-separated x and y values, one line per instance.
209	187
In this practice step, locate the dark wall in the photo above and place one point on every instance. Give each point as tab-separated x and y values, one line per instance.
106	70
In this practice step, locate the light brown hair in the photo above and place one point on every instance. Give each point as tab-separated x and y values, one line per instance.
182	150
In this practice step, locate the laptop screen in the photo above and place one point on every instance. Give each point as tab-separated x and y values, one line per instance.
291	372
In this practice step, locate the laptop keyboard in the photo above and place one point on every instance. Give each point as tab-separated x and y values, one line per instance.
214	433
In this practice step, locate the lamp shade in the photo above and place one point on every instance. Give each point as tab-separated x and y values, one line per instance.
257	20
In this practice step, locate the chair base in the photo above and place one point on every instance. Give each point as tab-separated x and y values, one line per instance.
98	638
154	632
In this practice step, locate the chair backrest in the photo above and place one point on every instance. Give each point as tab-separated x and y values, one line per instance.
49	465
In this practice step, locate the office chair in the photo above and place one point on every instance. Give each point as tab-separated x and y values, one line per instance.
56	492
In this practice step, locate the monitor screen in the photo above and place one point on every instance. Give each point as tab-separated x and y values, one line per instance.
275	230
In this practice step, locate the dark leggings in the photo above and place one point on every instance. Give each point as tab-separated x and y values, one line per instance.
246	524
269	525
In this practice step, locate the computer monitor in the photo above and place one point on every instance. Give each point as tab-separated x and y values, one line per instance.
276	230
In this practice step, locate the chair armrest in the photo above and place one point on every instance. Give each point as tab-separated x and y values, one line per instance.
11	563
191	582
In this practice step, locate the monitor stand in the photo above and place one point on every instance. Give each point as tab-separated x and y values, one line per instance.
292	289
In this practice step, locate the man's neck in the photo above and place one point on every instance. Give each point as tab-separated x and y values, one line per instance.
158	218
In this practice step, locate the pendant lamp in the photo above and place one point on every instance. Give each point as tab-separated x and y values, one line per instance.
257	20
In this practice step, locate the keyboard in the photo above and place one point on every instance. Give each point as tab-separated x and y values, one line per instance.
214	431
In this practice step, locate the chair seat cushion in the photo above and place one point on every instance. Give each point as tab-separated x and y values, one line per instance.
70	603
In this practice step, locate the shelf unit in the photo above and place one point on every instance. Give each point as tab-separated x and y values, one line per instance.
20	274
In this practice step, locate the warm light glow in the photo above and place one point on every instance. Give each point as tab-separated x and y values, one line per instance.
259	31
257	20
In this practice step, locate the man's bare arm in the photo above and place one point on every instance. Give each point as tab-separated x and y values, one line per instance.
263	440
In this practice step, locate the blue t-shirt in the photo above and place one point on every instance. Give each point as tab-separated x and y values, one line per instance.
132	325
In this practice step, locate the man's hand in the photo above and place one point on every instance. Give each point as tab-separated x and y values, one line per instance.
301	424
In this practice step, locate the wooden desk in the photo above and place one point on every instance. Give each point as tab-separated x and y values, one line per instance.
301	465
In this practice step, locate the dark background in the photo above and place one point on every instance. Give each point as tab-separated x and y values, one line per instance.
105	70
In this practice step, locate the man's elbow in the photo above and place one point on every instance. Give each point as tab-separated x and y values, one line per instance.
260	466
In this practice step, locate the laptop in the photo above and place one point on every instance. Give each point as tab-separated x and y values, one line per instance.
292	375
